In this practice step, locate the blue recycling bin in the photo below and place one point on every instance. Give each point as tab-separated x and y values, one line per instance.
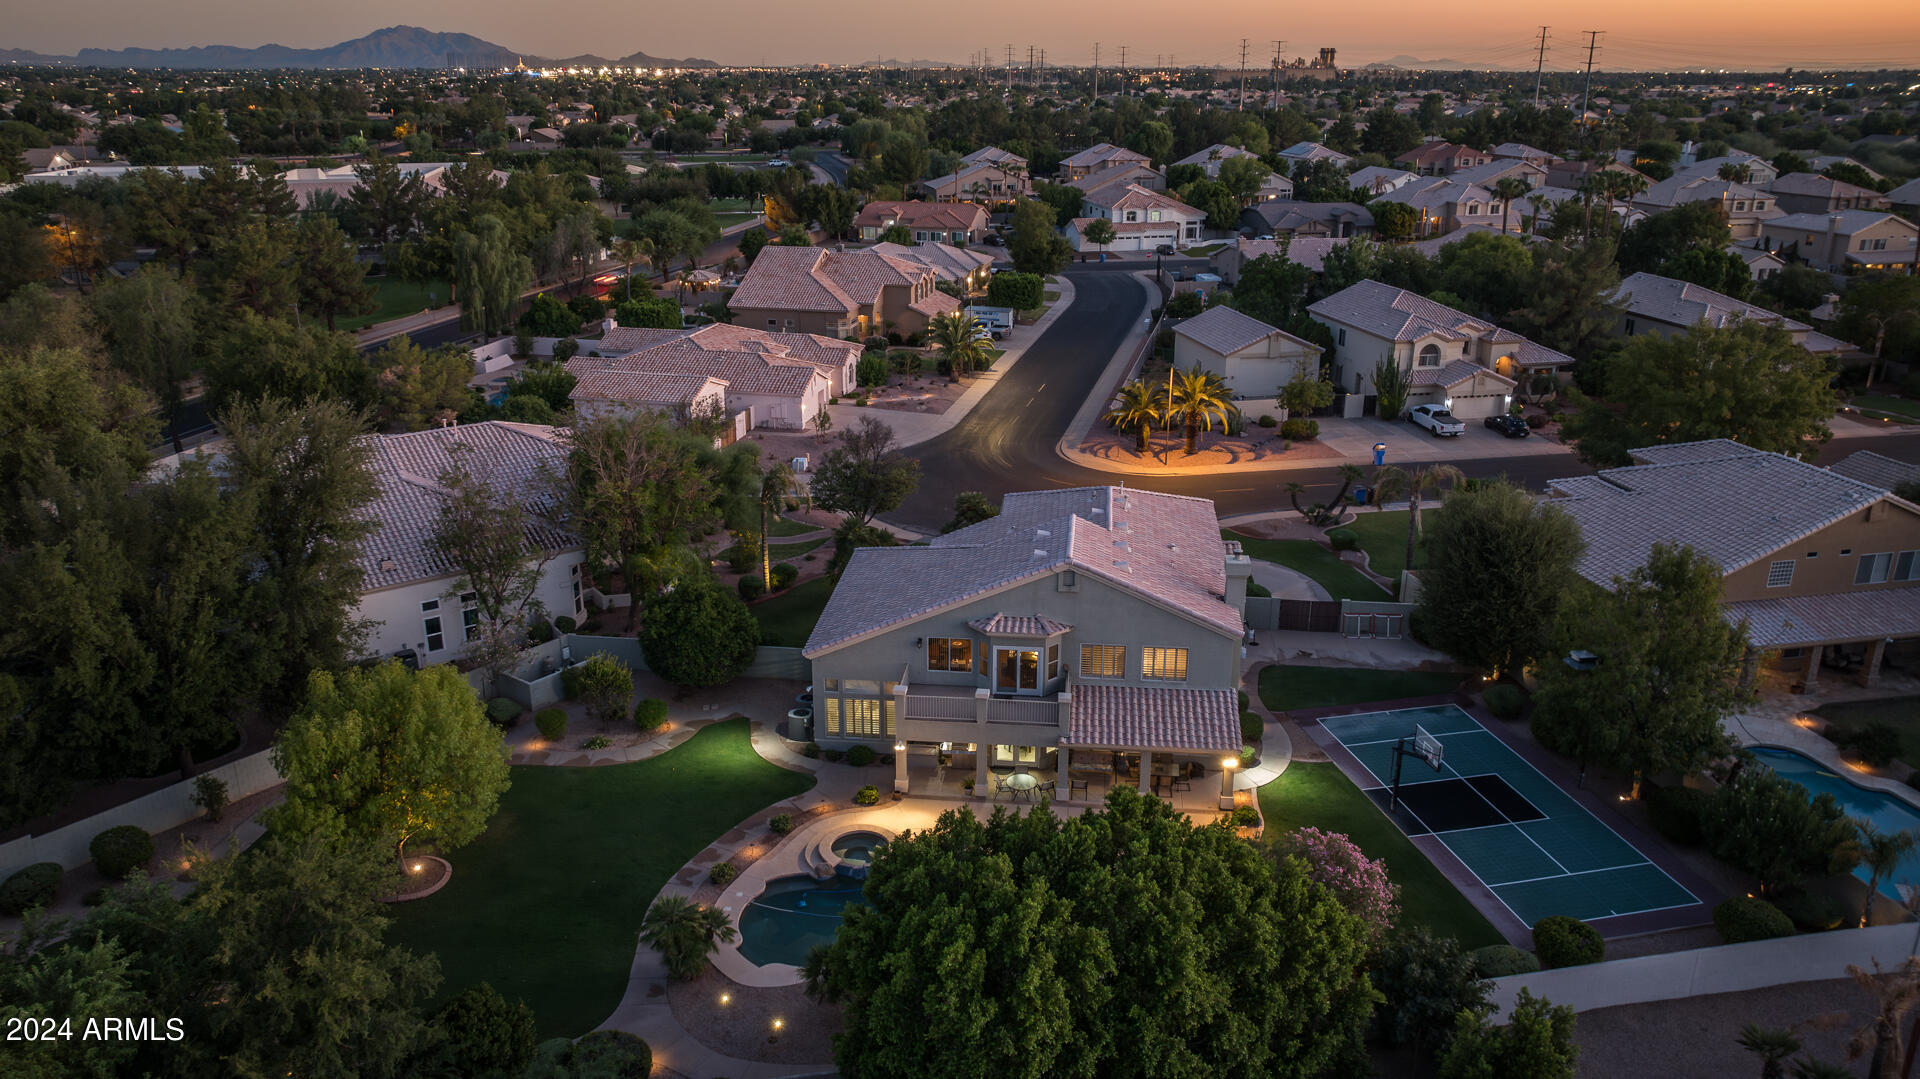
1379	453
1360	496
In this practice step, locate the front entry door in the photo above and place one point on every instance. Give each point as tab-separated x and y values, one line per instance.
1016	670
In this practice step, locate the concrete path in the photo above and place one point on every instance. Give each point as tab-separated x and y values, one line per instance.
1287	583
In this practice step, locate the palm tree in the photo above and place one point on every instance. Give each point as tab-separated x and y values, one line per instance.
1539	204
1772	1046
775	482
684	933
1508	189
1391	482
957	339
1896	992
686	277
1198	398
1736	172
1881	852
1141	405
628	252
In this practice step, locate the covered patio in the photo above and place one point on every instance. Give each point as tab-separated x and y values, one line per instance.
1190	782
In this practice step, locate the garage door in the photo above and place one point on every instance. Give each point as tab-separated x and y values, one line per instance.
1480	407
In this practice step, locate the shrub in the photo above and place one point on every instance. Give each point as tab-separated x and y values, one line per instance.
604	684
565	349
540	632
611	1054
502	711
1251	727
210	794
1505	700
860	756
1561	941
1357	881
1268	421
1246	702
598	741
1536	421
876	343
871	370
1257	590
1676	813
1186	305
811	750
1344	539
722	873
650	714
1500	960
653	311
1811	912
867	795
780	823
1426	980
1300	429
522	343
752	587
1875	743
1245	817
31	887
1745	918
551	723
589	308
784	574
832	756
1020	291
1248	755
565	624
744	554
119	851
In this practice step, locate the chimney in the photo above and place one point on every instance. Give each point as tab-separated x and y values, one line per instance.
1239	571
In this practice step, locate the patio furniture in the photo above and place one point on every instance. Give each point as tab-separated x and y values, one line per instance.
1182	782
1021	784
1049	787
1077	784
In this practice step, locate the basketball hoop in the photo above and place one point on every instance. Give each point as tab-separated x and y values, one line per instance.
1422	745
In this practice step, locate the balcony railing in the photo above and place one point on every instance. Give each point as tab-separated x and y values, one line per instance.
1018	711
923	706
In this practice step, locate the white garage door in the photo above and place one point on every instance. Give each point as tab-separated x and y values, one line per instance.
1479	408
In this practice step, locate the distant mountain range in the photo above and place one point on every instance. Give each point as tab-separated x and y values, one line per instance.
393	47
1414	63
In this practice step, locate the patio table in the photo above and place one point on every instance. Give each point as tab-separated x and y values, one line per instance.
1022	784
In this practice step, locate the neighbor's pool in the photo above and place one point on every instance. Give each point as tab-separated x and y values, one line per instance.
1888	813
793	916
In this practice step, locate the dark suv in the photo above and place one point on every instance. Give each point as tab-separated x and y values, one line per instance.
1511	426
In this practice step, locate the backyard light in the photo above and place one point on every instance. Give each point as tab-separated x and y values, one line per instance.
417	867
1229	763
726	998
899	747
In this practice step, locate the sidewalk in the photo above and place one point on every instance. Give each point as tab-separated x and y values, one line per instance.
913	428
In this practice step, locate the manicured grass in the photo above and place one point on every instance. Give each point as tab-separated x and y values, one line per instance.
1900	713
787	619
787	552
1318	795
1201	251
1383	535
393	298
1897	407
546	905
781	526
733	206
1283	689
1339	579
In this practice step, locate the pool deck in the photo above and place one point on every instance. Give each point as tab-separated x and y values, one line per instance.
1510	926
1774	721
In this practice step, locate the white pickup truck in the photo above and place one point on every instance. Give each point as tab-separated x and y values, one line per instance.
1437	419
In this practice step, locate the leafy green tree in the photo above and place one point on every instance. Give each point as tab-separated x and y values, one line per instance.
389	201
1394	220
1141	407
1490	271
1765	824
1720	270
863	475
83	981
1305	394
489	275
492	535
479	1035
1426	981
1056	939
1496	561
152	325
1535	1043
1020	291
67	424
391	755
652	312
1198	399
897	234
604	686
331	281
1244	177
1389	132
776	486
751	241
1035	245
1154	139
1882	314
1100	233
548	317
1565	306
260	357
1214	199
1064	199
414	386
1659	239
1748	382
970	508
1668	675
698	634
1272	289
684	933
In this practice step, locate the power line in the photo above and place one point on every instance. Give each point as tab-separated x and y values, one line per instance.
1539	66
1096	71
1593	46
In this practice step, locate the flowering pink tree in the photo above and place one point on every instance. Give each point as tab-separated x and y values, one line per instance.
1357	881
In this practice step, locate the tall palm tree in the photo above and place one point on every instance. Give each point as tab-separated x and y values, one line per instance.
775	482
628	252
686	277
1772	1046
1141	405
1895	993
1508	189
1391	482
684	933
1881	852
1539	204
957	340
1197	398
1736	172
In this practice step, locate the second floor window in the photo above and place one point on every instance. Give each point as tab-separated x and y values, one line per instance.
1881	568
1167	664
1103	661
949	654
1430	356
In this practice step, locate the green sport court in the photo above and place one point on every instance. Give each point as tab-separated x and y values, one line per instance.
1534	847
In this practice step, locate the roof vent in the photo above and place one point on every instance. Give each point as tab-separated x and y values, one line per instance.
1038	553
1120	544
1042	534
387	566
1123	567
1097	511
1172	547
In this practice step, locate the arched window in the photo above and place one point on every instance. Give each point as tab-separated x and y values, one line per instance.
1430	356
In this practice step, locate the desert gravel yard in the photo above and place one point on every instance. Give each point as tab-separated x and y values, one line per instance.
1696	1037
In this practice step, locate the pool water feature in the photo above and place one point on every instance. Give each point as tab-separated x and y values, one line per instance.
793	916
1887	812
855	851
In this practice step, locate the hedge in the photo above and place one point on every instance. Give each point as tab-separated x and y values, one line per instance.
1020	291
551	723
859	756
1505	700
611	1054
503	711
752	587
1500	960
1744	918
1300	429
31	887
565	624
1811	912
1251	727
784	574
1344	539
650	713
119	851
1560	941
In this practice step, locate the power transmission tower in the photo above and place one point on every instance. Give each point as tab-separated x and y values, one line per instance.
1539	66
1593	46
1009	69
1241	105
1029	65
1278	47
1123	70
1096	71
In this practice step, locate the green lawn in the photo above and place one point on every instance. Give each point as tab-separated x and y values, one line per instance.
781	526
1320	796
546	905
788	618
393	298
1339	579
1900	713
787	552
1201	251
1283	689
733	206
1383	535
1898	407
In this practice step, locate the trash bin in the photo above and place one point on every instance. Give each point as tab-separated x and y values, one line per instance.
1359	496
1379	453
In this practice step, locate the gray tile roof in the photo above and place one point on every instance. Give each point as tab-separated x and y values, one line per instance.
1102	152
1018	625
1732	503
1172	556
1453	374
815	279
1151	717
1829	618
1906	194
1396	314
1826	187
948	262
750	360
1287	215
1223	330
1879	470
1850	221
1683	303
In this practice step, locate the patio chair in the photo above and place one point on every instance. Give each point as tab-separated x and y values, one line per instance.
1077	784
1182	781
1046	789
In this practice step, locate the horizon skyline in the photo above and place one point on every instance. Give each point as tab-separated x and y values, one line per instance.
1771	42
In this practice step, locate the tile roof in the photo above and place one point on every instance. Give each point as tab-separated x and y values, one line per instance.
1684	303
1226	331
1380	178
1152	717
1851	221
1018	625
1829	618
1396	314
748	360
1308	251
1101	153
993	155
923	215
1116	178
1313	151
948	262
1135	197
1453	374
1286	215
515	457
1435	192
816	279
1210	158
600	380
1681	187
966	176
1173	557
1906	194
1826	187
1876	469
1733	503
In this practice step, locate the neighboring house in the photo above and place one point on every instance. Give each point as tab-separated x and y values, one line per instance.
978	183
1822	568
1080	625
611	387
998	158
1275	186
1499	169
1845	241
1760	264
1826	161
1655	304
971	270
1571	174
957	223
781	380
411	593
813	290
1098	157
1877	469
1306	153
1520	151
1808	193
1114	180
51	159
1375	180
1142	219
545	137
1746	206
1905	200
1446	204
1251	357
1760	171
1283	218
1449	358
1442	158
1308	251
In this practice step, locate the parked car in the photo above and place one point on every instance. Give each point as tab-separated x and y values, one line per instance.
1511	426
1164	249
1437	419
993	240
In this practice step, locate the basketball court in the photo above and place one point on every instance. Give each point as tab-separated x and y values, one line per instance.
1535	848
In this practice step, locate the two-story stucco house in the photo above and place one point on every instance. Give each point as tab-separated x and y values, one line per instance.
1098	157
1845	241
1811	193
1823	569
1251	357
1654	304
1449	358
813	290
980	183
1095	626
1142	220
1441	158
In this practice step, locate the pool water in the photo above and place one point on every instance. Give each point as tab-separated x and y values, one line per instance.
1888	813
855	849
793	916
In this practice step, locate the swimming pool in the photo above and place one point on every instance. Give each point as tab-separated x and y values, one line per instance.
855	851
1888	813
793	916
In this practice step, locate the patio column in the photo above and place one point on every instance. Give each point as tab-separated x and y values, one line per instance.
982	787
1870	670
900	767
1060	769
1749	667
1811	676
1146	771
1226	788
